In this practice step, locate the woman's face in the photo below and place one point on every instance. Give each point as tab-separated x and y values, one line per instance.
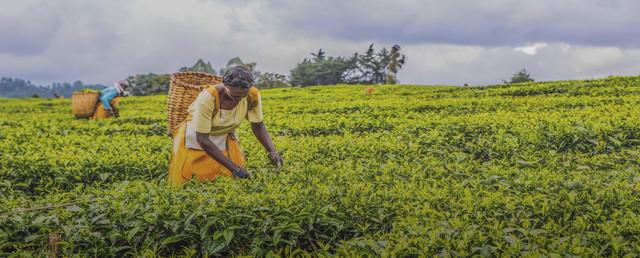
235	93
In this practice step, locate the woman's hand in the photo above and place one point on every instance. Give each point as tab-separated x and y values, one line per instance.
260	131
240	173
215	153
114	112
275	159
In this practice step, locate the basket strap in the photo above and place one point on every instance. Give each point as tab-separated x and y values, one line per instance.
216	98
252	98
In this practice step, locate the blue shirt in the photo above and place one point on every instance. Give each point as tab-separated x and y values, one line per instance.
106	95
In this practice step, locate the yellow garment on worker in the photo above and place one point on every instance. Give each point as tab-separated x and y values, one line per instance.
186	163
190	160
204	121
101	113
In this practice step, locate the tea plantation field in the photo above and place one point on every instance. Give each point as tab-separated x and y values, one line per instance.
539	169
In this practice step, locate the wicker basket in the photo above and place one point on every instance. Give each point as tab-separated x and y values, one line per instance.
184	87
83	104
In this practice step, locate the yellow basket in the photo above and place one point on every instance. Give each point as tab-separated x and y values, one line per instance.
83	104
184	87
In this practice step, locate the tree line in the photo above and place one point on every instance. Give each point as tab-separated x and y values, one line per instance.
370	67
19	88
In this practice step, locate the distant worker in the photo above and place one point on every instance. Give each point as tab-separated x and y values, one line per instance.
109	99
206	145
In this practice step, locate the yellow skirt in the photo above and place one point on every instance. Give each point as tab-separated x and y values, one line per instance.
101	113
186	163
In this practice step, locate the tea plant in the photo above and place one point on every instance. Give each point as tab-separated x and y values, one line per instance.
532	169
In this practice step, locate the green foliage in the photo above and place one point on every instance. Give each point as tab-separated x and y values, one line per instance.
396	61
272	80
534	169
521	76
87	91
154	84
320	70
367	68
149	84
200	66
18	88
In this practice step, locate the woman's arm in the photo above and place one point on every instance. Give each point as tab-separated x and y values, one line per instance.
261	133
213	151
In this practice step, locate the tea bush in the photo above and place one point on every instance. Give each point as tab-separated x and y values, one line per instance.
532	169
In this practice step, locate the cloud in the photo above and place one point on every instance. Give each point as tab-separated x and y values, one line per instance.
477	65
466	22
531	49
451	42
25	30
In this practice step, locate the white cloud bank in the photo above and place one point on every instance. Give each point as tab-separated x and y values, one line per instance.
475	42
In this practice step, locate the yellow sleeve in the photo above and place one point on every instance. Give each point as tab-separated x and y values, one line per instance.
254	115
202	113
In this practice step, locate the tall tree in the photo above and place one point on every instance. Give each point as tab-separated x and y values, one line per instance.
521	76
320	70
200	66
396	61
149	84
367	68
375	68
319	56
272	80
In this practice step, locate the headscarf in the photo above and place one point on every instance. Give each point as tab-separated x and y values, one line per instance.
118	87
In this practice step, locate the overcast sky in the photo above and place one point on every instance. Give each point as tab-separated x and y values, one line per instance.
446	42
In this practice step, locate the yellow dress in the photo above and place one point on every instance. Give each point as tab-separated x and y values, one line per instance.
101	113
205	116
